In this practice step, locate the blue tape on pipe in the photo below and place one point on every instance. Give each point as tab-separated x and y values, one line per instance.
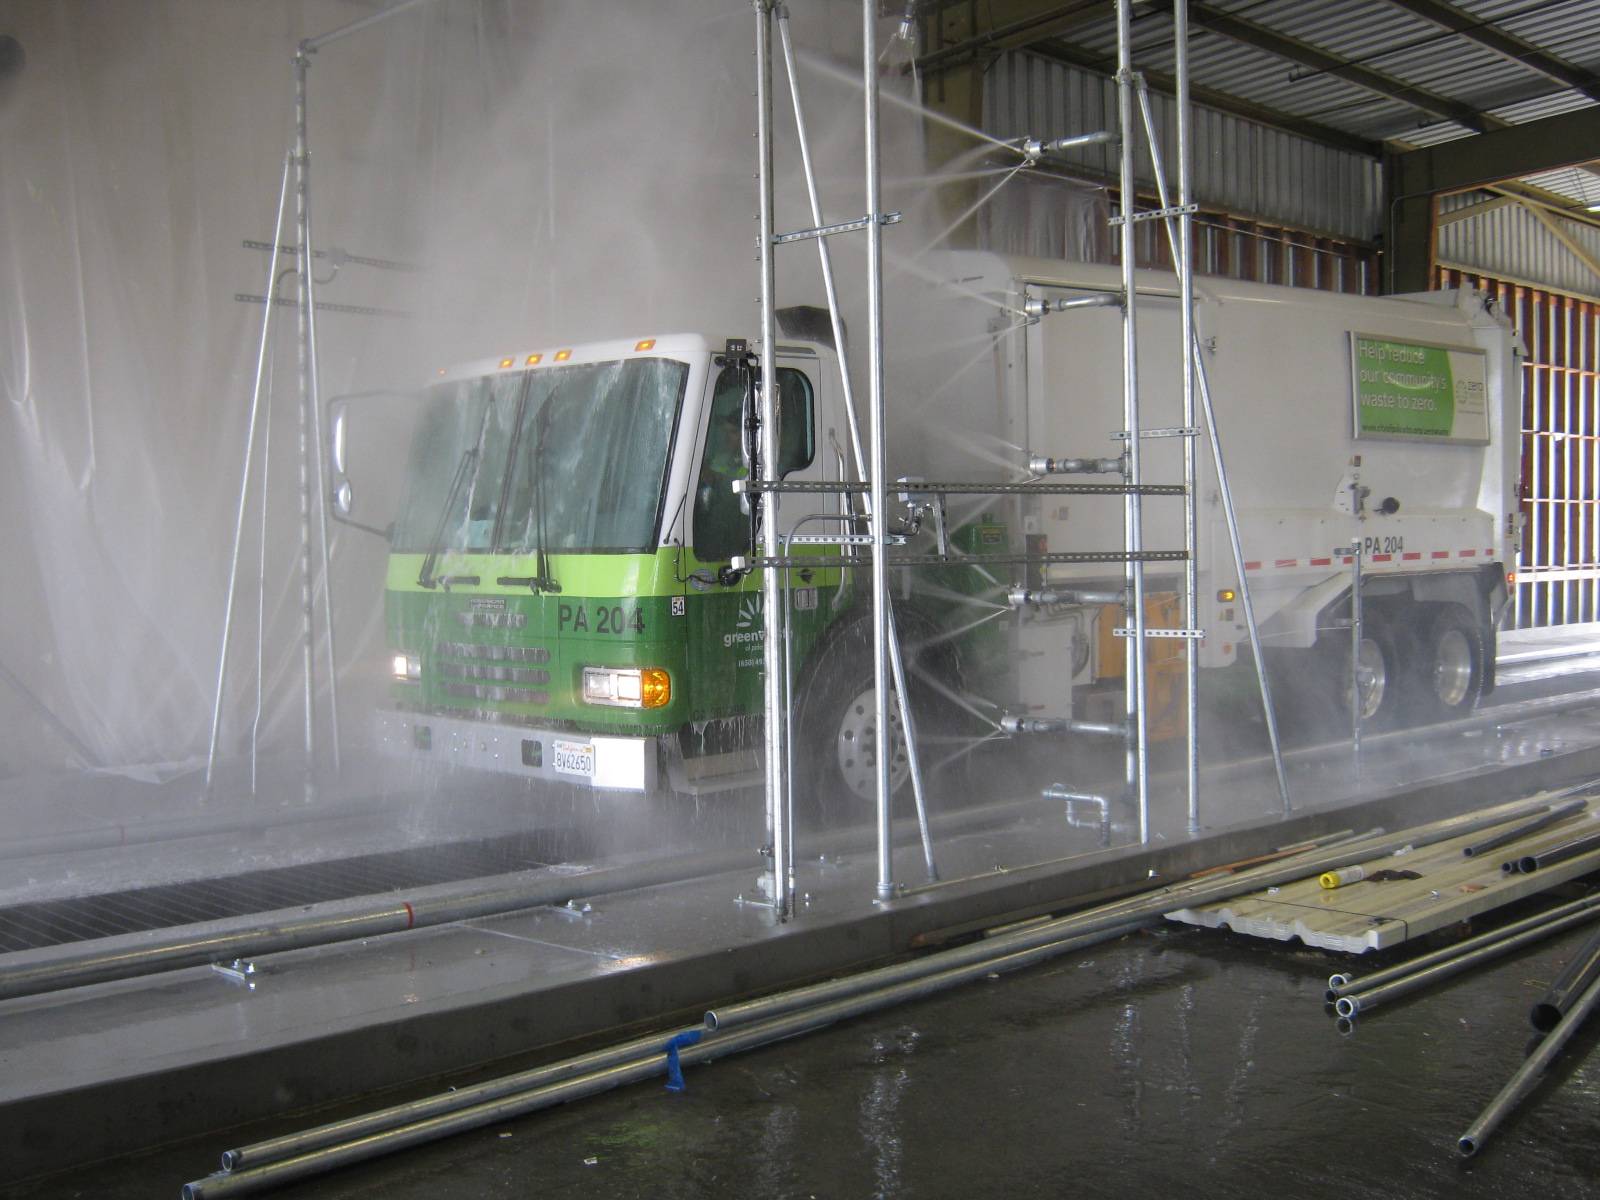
674	1067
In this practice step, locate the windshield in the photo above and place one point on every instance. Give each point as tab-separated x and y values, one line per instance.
589	445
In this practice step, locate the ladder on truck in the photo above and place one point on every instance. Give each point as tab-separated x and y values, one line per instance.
773	555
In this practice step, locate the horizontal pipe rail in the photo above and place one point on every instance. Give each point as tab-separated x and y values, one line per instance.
763	562
845	487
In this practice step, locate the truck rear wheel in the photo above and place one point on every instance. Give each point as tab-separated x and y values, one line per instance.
1453	667
1378	674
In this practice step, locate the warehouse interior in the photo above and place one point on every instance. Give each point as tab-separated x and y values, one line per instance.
1123	709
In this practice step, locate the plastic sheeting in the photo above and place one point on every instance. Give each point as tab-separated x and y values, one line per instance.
555	169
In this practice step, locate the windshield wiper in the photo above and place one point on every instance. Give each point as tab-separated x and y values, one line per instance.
543	581
465	469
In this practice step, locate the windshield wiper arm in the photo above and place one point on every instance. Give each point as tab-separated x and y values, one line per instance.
465	469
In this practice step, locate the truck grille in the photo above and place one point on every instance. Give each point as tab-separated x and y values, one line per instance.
523	654
487	672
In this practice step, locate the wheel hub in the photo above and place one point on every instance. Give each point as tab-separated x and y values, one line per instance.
856	745
1452	669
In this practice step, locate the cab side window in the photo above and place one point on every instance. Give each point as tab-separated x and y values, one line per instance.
721	527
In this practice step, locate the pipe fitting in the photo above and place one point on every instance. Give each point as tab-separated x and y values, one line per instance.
1012	724
1040	465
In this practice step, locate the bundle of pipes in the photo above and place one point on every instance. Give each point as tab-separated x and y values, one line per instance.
770	1019
1351	996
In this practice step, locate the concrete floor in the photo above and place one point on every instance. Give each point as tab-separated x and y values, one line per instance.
1161	1064
1178	1062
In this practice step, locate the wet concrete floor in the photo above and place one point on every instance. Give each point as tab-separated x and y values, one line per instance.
1173	1062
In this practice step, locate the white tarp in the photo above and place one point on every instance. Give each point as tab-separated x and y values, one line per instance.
559	170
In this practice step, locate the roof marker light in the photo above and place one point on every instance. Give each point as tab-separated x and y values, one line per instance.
535	359
508	362
647	344
563	355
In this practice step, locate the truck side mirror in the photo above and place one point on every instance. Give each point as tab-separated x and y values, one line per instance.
368	437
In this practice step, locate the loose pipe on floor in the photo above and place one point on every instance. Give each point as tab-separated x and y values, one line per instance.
1521	1083
774	1018
1341	984
1353	1003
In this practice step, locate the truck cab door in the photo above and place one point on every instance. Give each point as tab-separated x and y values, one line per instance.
726	620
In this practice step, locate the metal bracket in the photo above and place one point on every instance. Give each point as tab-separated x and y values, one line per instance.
1172	210
1165	431
802	235
240	970
1194	635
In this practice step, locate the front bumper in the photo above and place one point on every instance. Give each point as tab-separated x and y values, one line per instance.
626	764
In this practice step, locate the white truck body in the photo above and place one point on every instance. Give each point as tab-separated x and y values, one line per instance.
1438	521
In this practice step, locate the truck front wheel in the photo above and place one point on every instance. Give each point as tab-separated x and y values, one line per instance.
835	723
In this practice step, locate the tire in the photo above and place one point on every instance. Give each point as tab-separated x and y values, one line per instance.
836	722
1453	666
1381	676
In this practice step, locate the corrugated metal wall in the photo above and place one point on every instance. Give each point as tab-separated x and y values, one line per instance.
1509	242
1240	167
1558	572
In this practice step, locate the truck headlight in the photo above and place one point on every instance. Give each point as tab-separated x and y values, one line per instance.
632	687
407	668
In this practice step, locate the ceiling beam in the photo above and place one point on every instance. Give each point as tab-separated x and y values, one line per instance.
1076	56
1567	140
1203	16
1507	45
1011	35
1416	177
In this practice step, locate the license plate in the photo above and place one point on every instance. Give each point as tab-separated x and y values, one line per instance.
573	758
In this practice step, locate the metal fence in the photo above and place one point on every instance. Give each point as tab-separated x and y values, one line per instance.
1558	571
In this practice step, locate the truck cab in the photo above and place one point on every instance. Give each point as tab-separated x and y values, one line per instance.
559	602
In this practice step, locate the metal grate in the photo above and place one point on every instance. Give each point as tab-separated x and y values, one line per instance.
1558	575
82	918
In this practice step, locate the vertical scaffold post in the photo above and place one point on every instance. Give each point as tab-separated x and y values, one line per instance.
879	490
307	607
777	789
311	379
1137	756
1191	539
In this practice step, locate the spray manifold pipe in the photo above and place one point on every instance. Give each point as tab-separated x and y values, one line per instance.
1015	724
1033	149
1040	465
1023	598
1035	307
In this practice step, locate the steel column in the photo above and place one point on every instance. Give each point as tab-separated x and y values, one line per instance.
1137	765
1191	529
771	581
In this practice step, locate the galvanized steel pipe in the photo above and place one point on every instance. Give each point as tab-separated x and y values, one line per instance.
1583	970
1521	1083
1342	984
1369	998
